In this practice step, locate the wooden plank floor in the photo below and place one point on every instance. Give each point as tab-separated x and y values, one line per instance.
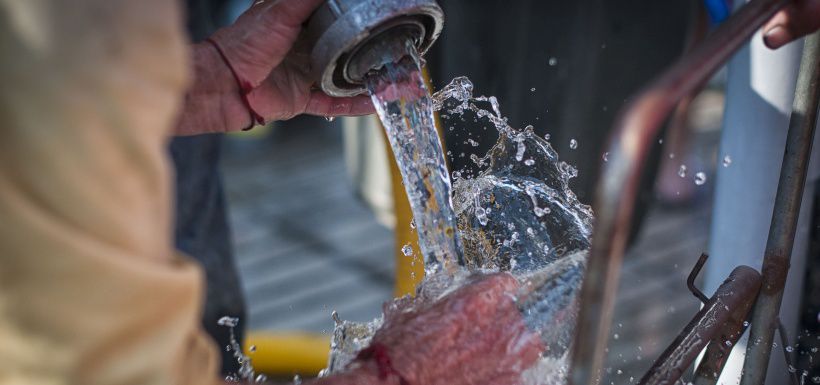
306	246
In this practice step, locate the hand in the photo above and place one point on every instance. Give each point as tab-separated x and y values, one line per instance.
263	48
799	18
475	335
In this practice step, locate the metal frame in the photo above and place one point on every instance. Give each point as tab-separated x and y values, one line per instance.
786	212
720	323
635	132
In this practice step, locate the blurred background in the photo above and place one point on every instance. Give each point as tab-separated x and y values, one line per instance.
307	207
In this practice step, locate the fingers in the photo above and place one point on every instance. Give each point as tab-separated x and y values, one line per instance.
293	12
323	105
262	36
793	22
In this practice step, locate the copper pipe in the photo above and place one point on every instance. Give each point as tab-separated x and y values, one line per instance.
635	131
734	296
717	353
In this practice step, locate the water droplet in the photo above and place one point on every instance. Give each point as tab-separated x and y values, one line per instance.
792	369
227	348
616	336
605	157
682	171
728	343
553	61
700	178
230	322
727	161
297	380
745	324
529	162
330	118
252	348
261	378
472	142
481	215
407	250
573	144
789	349
620	371
660	141
532	89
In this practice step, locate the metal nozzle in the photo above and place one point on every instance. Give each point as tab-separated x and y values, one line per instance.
352	37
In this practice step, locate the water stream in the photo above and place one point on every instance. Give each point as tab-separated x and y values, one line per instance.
516	214
406	110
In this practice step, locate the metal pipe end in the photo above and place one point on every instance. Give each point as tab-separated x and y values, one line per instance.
352	37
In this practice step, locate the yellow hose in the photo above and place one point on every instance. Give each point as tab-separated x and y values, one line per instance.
288	353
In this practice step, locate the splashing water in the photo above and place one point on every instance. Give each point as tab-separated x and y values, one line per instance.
513	216
246	373
406	111
516	214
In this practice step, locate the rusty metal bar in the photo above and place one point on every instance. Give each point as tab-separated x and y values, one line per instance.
786	212
734	297
635	132
717	353
784	341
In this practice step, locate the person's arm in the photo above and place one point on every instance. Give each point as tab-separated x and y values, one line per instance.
260	49
799	18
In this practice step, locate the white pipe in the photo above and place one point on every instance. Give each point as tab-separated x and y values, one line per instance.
759	94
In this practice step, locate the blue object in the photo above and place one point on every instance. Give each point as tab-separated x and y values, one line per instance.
718	10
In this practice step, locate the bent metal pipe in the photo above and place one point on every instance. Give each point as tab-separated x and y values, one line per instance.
634	133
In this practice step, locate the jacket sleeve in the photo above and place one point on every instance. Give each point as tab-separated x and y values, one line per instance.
91	290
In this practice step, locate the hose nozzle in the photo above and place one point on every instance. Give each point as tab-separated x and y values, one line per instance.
353	37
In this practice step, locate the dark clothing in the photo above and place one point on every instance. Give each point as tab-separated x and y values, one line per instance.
202	229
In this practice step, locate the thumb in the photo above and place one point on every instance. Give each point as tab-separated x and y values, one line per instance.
261	37
797	20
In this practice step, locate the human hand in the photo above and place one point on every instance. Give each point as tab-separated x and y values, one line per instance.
264	50
475	335
799	18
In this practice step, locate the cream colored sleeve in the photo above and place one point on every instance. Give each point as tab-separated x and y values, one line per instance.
91	290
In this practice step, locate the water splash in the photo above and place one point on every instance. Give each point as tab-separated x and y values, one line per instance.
406	111
246	373
513	216
516	214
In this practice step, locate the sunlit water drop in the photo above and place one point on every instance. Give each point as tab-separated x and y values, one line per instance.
700	178
682	171
727	161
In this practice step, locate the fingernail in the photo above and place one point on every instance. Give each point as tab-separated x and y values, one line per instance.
775	37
